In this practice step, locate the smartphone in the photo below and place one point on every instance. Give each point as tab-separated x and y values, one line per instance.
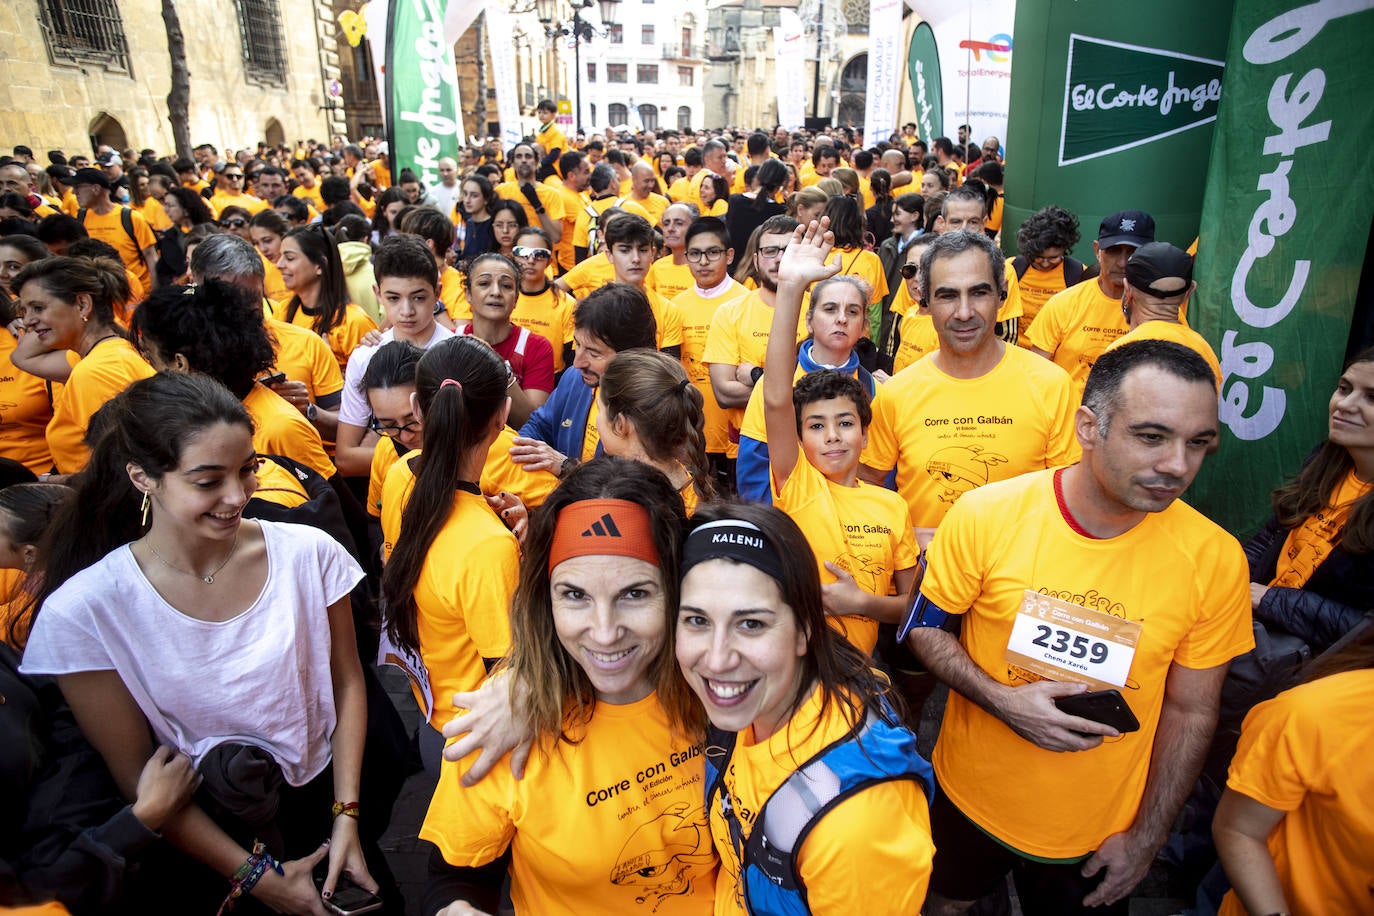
1105	706
276	378
349	898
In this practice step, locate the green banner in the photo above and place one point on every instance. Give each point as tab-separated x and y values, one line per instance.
1283	239
923	67
423	121
1113	106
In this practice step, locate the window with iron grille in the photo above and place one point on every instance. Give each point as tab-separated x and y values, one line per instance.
85	31
264	53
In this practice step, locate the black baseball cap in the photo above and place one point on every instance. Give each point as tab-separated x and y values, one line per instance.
1157	262
90	176
1126	227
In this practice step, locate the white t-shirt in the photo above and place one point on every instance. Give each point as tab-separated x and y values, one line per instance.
353	407
261	678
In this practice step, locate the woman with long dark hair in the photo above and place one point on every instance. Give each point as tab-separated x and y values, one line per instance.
847	223
311	269
749	210
168	590
185	209
473	217
450	616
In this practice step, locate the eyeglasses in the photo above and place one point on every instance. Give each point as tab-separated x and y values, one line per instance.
908	271
772	251
707	255
235	223
1047	260
537	254
391	430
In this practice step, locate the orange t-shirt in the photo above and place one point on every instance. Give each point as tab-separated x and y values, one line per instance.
25	410
345	336
280	429
1177	333
1309	544
1306	752
1075	327
110	366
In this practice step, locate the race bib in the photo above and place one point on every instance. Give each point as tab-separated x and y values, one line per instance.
1063	641
390	654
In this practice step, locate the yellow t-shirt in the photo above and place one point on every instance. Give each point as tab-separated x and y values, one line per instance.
499	473
305	357
155	215
613	824
25	412
454	295
549	197
947	436
668	318
343	338
1177	333
551	138
550	315
280	429
278	485
463	593
1075	327
697	315
589	275
582	221
1191	597
667	279
384	455
846	857
864	264
254	205
739	334
310	195
1306	752
105	371
573	202
109	228
864	530
916	332
653	206
1036	288
1309	544
591	437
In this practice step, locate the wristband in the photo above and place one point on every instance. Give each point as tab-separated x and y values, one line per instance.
248	874
348	808
755	374
539	210
567	465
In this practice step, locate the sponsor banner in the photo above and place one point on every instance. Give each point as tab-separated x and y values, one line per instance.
884	70
1283	240
974	40
923	68
377	15
1116	108
790	64
501	45
459	15
423	121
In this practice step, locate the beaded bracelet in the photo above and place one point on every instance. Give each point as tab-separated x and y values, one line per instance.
248	875
348	808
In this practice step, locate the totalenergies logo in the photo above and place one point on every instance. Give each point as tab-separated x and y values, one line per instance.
997	48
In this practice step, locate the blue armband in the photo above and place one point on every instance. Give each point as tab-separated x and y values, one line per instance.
923	613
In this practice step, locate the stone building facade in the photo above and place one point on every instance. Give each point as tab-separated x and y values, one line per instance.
74	73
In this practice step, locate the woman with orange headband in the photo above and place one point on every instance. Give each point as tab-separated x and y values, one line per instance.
609	815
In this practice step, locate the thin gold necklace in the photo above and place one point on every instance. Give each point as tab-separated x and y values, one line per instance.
208	578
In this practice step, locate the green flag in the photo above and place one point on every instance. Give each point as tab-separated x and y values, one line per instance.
923	66
1284	230
1112	108
423	122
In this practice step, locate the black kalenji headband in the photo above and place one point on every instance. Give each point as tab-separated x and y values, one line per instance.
731	539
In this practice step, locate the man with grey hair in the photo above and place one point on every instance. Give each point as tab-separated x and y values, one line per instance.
975	410
670	275
1093	577
313	383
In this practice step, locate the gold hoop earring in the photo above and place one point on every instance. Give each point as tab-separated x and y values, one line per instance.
147	504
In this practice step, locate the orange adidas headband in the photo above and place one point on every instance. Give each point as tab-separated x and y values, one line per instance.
603	527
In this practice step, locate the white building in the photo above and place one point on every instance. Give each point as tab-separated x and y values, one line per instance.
650	70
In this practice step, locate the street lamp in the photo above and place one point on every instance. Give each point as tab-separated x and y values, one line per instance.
579	29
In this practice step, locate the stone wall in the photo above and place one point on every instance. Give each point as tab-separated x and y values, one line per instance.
48	102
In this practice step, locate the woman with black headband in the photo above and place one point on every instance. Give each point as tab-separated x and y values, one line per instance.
609	815
816	794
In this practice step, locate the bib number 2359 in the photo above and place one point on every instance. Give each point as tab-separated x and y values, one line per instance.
1067	642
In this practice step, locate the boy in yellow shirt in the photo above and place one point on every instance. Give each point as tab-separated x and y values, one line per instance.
861	533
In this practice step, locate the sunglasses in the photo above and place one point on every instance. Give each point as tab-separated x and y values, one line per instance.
537	254
235	223
233	177
908	271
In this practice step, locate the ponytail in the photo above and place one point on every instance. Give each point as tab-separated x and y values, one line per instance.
460	384
103	279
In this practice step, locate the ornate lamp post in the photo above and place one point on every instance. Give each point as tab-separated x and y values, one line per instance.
579	30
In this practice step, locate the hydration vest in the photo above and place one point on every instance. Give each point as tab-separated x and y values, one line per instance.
878	750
